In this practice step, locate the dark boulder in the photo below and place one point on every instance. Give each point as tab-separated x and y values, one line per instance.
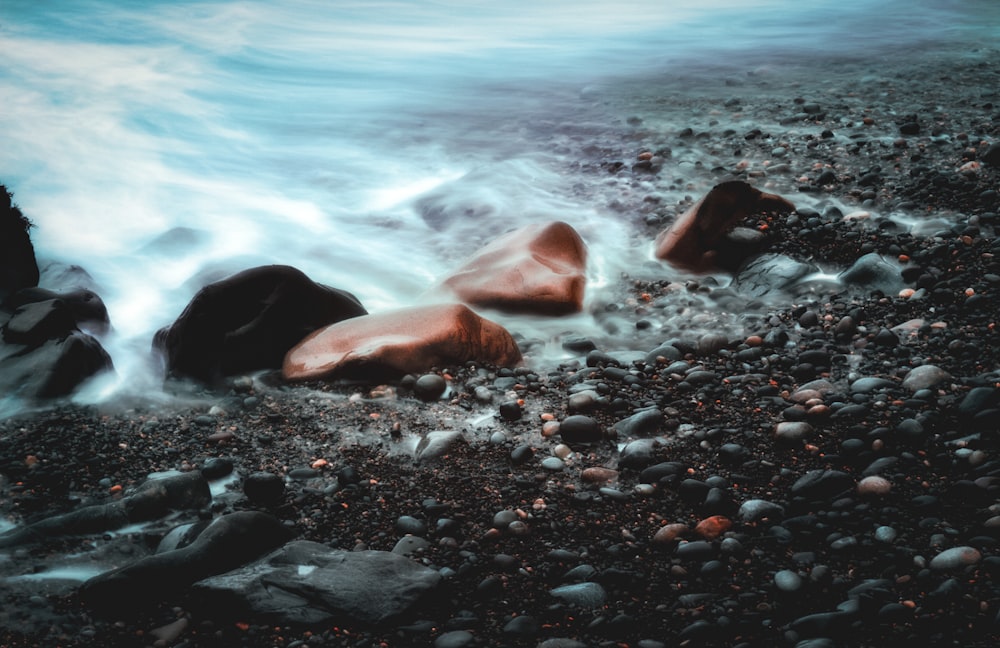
307	583
249	321
229	542
44	355
18	268
84	306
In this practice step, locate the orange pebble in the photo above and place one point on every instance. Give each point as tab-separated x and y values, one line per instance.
712	527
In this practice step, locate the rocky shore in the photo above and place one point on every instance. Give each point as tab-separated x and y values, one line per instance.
827	475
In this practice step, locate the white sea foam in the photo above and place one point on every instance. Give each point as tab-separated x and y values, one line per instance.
310	133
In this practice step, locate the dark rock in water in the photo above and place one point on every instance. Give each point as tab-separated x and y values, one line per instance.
18	267
307	583
53	368
693	241
229	542
85	307
33	324
769	273
873	272
249	322
152	500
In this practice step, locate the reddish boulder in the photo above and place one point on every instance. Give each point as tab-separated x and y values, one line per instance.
399	342
536	269
693	242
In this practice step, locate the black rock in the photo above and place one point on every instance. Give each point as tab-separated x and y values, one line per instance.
510	411
992	155
822	484
249	321
429	387
52	369
18	267
580	429
231	541
264	487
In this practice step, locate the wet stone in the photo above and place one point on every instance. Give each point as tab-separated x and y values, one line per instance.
264	487
580	429
429	387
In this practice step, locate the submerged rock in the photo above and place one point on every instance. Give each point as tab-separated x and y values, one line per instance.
539	268
770	273
398	342
309	583
249	322
693	241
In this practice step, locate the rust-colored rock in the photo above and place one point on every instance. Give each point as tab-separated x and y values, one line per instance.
539	269
712	527
693	241
398	342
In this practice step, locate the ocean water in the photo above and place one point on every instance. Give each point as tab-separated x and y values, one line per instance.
162	145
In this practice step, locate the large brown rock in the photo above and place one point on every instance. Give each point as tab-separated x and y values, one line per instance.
536	269
399	342
695	240
249	322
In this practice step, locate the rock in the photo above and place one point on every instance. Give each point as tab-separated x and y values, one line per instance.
692	241
33	324
792	431
818	485
151	500
429	387
873	272
992	155
757	509
249	321
436	444
580	429
637	454
308	583
264	488
642	423
955	558
229	542
398	342
55	368
769	273
540	268
584	595
925	377
85	306
18	267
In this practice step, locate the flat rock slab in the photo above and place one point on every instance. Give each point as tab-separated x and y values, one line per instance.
537	269
693	241
403	341
309	583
